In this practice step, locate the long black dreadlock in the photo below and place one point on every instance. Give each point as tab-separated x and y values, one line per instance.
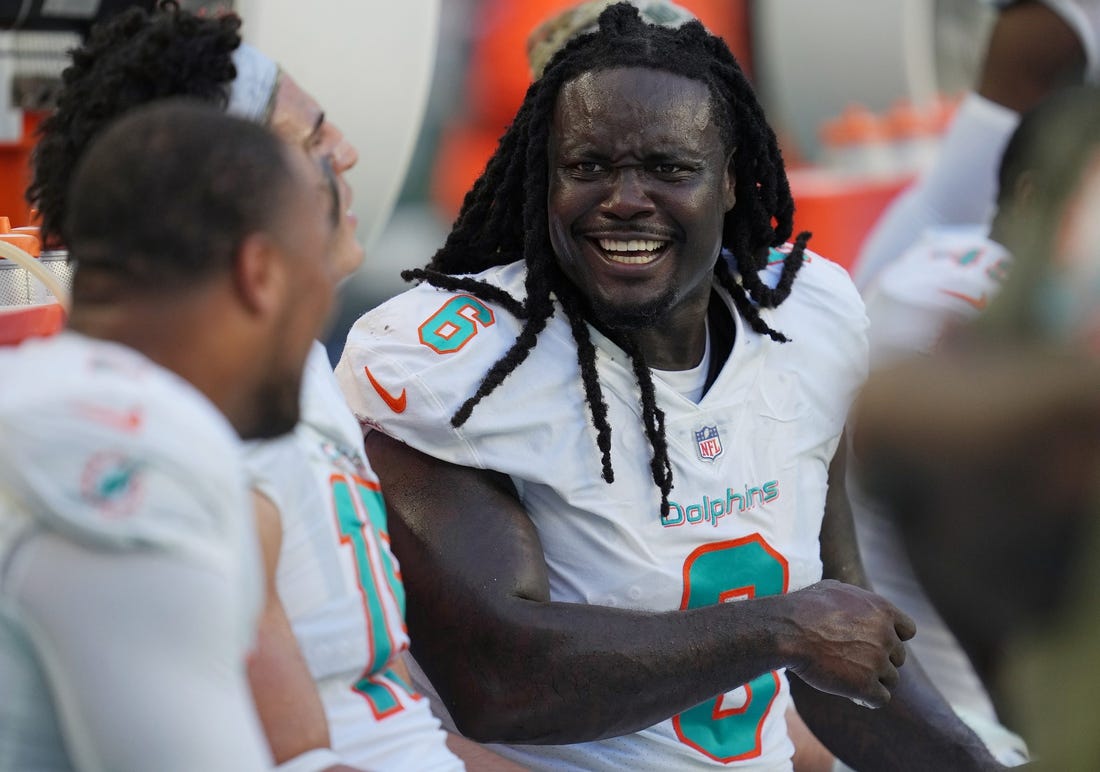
504	219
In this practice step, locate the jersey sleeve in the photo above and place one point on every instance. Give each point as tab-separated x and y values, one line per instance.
826	319
399	376
125	465
959	187
141	653
947	279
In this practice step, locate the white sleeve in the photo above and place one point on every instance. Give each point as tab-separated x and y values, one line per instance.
143	655
959	189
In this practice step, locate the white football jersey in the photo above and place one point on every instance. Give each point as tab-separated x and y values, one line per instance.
116	473
947	278
341	586
749	463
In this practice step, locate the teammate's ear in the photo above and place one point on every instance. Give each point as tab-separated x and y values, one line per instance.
260	274
1025	191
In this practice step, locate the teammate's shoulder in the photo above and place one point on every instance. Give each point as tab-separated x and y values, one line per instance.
105	444
948	266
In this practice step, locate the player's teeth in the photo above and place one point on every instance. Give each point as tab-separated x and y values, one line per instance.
634	245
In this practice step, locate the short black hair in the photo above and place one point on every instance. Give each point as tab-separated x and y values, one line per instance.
504	216
165	196
134	58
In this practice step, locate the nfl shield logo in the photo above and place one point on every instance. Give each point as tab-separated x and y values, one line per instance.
709	443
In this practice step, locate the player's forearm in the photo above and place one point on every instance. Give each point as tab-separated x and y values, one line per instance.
916	730
565	673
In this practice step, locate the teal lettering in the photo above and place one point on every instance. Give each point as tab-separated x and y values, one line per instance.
712	510
771	490
717	510
730	496
753	492
669	520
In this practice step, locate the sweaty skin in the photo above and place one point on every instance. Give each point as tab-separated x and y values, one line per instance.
635	155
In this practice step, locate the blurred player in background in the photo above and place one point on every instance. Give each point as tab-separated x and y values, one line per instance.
1035	46
947	279
129	578
327	676
987	452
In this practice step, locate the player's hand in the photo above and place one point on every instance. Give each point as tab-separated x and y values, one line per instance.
848	641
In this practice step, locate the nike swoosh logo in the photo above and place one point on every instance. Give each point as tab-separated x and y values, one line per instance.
129	421
397	404
979	302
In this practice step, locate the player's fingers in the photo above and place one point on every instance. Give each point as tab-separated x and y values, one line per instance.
904	626
897	655
890	679
875	697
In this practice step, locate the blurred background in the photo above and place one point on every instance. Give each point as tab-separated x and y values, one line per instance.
859	93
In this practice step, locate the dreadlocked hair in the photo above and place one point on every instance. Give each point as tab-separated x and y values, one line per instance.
504	218
132	59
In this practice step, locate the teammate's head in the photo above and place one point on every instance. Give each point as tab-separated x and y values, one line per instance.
1044	153
138	57
549	36
133	59
505	216
178	205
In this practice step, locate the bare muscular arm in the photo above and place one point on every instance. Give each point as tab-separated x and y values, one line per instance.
511	665
286	698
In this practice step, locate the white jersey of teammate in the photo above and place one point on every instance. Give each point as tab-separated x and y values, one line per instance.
948	277
341	586
749	463
129	576
944	280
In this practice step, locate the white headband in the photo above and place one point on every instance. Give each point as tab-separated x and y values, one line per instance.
252	91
